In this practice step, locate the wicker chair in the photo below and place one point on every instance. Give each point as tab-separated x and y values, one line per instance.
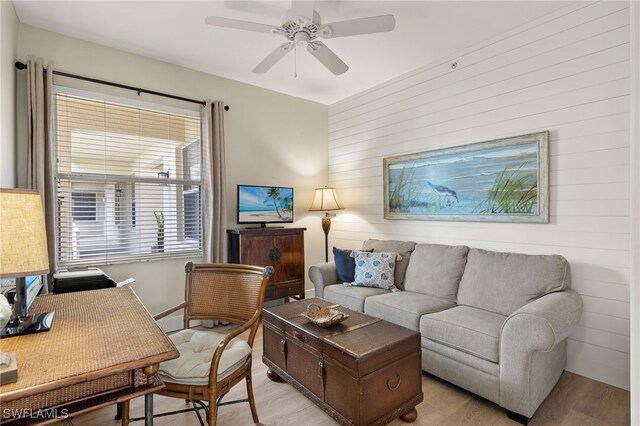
225	292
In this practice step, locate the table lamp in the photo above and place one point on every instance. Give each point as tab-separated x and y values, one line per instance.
326	199
23	253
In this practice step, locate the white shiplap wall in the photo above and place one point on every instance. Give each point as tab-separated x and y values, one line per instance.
567	73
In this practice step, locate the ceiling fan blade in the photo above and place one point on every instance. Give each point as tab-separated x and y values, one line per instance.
273	58
217	21
373	24
302	8
327	57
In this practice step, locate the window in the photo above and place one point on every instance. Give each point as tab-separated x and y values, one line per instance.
83	206
192	214
128	180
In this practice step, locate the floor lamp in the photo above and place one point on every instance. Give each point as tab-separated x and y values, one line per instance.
326	199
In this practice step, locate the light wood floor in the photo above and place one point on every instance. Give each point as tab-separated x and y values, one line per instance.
575	400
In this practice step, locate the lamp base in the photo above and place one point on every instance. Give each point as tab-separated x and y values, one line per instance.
8	368
35	323
326	226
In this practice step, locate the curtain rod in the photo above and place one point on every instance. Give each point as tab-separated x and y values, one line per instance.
22	66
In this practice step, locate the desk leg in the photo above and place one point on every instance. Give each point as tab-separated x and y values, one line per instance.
124	413
149	371
148	409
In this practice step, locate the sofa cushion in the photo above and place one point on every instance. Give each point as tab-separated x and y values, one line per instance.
350	297
467	329
436	270
196	351
375	269
345	265
404	307
504	282
403	248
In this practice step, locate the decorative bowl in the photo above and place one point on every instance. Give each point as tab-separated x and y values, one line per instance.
323	317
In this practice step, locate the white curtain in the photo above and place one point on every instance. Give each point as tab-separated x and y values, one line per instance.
213	183
40	150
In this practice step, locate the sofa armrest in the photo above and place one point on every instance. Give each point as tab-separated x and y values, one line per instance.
555	315
322	275
527	334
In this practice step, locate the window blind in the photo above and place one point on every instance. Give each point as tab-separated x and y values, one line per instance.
128	182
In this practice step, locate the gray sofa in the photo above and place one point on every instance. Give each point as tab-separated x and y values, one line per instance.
493	323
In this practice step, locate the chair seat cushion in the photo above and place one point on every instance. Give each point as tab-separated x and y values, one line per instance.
404	307
196	351
350	297
467	329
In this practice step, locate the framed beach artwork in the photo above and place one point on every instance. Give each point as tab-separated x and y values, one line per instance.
504	180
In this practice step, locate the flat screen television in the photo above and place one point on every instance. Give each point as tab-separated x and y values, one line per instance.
33	285
264	204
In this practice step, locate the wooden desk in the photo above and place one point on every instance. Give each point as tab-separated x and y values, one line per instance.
104	347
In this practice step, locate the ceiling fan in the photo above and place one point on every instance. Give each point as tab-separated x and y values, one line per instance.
302	26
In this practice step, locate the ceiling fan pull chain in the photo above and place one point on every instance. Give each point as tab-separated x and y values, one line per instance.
295	61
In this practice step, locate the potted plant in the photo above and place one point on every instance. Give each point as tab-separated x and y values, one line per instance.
159	247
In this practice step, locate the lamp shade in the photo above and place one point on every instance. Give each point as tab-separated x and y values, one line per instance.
23	240
326	199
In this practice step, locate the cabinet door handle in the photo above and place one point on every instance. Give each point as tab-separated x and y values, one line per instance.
301	337
321	377
393	387
282	345
275	254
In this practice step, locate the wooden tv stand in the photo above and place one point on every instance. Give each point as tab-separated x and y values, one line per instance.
282	248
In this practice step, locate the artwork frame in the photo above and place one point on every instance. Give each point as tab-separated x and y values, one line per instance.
508	182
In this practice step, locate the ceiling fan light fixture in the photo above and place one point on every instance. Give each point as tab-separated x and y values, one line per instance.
301	38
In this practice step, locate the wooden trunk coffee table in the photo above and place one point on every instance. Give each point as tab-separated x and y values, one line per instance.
362	371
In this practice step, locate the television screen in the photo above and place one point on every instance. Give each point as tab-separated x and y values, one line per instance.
33	284
265	204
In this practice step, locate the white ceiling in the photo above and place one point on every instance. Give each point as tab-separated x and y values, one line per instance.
175	32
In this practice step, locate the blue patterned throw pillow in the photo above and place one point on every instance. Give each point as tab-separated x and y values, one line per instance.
375	269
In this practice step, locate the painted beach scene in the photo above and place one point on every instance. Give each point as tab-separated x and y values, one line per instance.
466	183
264	204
